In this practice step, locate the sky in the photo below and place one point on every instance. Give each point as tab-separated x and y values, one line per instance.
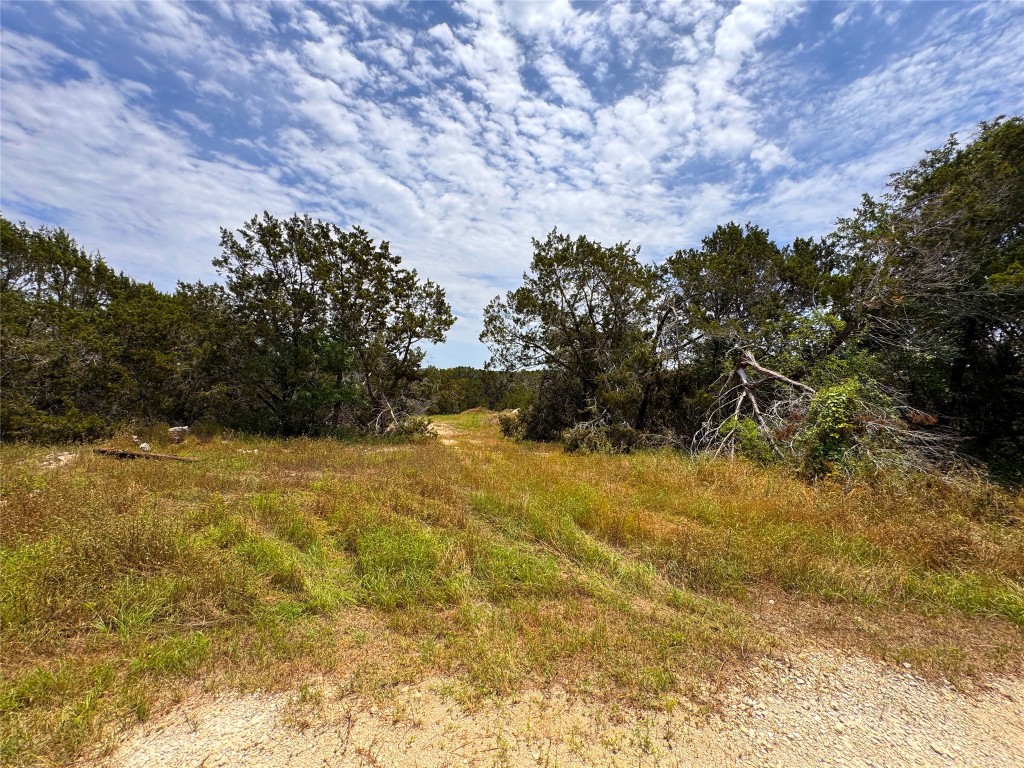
459	131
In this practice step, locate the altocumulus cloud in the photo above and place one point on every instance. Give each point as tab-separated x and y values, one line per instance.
459	131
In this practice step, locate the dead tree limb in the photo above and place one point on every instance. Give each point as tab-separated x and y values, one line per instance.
740	393
117	453
746	360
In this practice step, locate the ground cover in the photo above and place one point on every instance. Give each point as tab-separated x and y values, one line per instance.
493	565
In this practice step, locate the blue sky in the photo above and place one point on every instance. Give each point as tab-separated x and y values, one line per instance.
459	131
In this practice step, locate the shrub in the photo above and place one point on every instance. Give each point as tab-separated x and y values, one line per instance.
22	421
832	429
413	426
511	425
750	439
614	438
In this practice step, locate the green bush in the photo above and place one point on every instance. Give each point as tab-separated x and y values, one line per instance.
21	421
511	425
615	438
750	440
832	429
413	426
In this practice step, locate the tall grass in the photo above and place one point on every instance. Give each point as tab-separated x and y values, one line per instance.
497	563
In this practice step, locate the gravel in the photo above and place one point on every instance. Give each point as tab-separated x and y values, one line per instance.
821	708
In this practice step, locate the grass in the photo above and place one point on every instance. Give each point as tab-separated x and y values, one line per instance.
495	564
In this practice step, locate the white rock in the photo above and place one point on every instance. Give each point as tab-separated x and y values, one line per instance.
144	447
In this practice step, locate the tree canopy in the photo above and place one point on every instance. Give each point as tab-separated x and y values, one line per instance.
315	331
585	315
898	335
897	338
943	255
334	322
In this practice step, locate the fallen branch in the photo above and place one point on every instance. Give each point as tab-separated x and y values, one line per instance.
746	360
119	454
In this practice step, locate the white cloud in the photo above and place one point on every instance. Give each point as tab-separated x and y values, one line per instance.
194	121
461	140
330	58
769	157
144	198
565	83
840	19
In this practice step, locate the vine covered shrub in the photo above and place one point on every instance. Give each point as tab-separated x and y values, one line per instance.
831	430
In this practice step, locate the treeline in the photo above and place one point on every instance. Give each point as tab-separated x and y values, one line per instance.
314	331
454	390
894	341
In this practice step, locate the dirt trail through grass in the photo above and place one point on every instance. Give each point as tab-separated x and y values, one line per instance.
814	709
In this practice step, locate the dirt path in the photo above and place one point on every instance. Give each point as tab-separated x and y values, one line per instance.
815	709
445	432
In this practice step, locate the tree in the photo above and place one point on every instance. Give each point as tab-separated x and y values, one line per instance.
53	371
317	330
923	305
944	249
740	288
454	390
332	321
86	349
587	315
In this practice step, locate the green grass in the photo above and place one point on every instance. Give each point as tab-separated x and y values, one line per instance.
493	563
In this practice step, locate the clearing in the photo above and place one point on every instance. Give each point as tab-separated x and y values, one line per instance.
467	600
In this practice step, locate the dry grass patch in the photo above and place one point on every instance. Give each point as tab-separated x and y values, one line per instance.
497	564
